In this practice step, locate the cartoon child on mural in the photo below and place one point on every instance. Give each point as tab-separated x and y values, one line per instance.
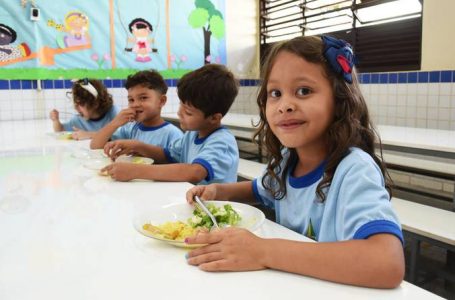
141	29
76	26
7	50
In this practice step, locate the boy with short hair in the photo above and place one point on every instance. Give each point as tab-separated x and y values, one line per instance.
142	120
207	152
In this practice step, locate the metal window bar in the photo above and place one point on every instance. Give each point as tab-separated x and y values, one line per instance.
269	26
305	15
309	17
305	24
306	6
384	19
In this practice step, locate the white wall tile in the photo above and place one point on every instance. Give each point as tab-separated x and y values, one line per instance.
421	113
433	101
444	101
445	125
410	122
445	88
433	88
410	100
422	100
432	113
422	89
402	89
432	123
411	88
443	114
421	123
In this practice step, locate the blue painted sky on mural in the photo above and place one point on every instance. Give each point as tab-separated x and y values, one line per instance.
186	43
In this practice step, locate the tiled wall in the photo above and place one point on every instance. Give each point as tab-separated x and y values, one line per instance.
414	99
25	99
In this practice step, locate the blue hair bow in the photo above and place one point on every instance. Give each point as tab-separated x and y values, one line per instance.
340	56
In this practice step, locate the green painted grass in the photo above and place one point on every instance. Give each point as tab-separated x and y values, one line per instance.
43	73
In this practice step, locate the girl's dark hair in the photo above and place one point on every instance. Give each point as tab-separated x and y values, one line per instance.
140	24
100	104
8	31
351	126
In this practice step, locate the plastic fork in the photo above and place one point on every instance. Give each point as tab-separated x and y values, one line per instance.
206	210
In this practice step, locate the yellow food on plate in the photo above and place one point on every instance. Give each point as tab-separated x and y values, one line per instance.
138	160
65	136
103	173
177	231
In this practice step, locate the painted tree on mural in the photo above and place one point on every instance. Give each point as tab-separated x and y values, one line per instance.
207	17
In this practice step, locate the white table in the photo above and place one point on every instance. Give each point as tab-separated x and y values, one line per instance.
419	140
67	233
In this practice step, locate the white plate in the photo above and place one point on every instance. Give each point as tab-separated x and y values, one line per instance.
100	162
135	159
252	218
61	135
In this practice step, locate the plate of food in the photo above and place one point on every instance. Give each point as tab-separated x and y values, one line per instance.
135	159
62	135
99	162
173	223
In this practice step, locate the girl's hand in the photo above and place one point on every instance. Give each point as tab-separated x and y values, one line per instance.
79	134
205	192
116	148
230	249
124	116
54	115
120	171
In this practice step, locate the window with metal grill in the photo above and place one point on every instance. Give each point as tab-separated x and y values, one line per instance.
386	34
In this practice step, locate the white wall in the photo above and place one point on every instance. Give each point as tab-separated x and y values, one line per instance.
438	43
242	41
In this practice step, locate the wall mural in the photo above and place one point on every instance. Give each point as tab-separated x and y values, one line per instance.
109	38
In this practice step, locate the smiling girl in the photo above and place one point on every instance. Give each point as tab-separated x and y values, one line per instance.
323	178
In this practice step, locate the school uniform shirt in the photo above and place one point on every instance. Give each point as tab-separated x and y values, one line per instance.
356	206
217	153
91	125
161	136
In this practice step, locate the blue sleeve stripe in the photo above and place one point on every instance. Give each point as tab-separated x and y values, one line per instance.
207	166
376	227
168	156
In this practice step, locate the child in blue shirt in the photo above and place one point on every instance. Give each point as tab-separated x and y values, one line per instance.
323	178
141	122
94	105
207	152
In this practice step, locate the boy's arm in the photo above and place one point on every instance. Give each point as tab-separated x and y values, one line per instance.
105	133
168	172
193	173
101	137
56	124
